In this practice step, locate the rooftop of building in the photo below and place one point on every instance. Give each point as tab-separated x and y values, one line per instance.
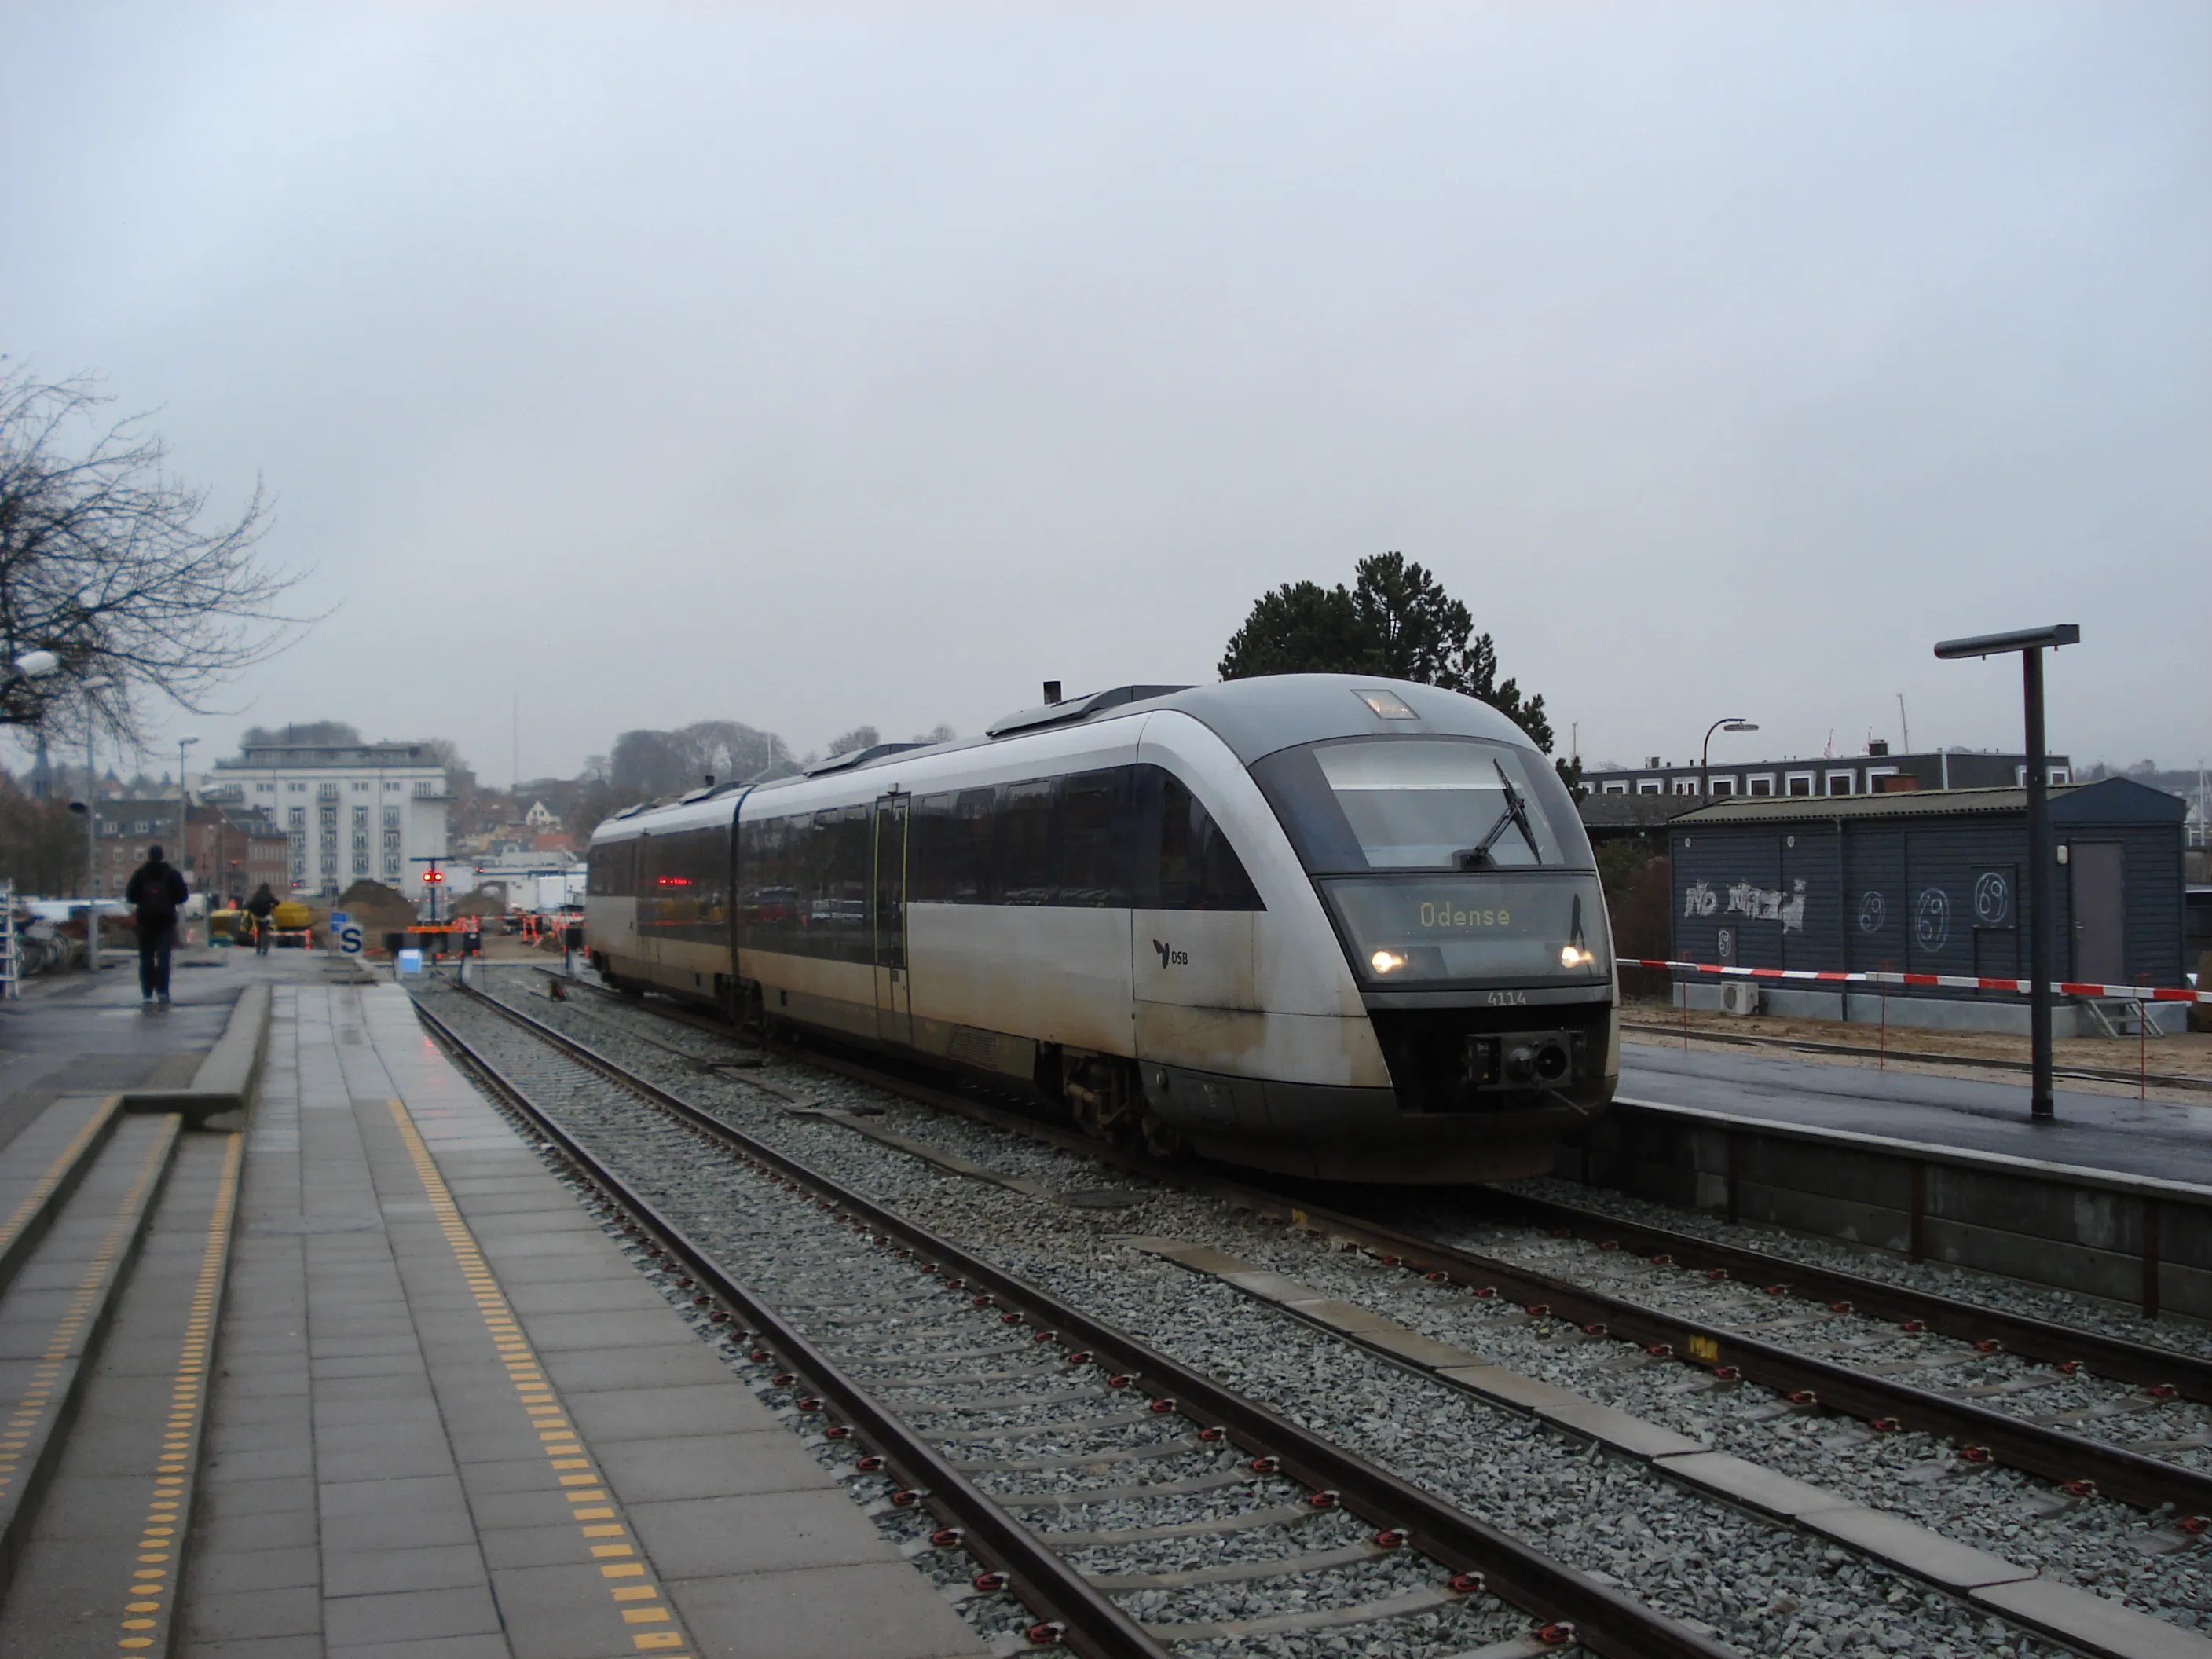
291	755
1883	755
160	810
2107	800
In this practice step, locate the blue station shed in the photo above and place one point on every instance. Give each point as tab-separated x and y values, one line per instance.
1930	882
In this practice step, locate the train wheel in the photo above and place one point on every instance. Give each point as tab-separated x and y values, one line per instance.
1102	1095
1160	1141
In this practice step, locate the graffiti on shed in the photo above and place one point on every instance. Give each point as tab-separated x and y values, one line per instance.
1932	881
1748	900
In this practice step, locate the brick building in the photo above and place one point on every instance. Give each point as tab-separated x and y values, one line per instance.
227	852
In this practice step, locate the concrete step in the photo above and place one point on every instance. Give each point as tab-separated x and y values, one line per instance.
57	1310
101	1562
41	1166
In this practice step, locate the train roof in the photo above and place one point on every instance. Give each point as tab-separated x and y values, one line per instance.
1254	717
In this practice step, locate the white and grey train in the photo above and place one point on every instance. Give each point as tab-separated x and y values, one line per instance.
1317	924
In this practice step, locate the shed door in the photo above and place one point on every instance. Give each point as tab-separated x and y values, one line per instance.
2100	935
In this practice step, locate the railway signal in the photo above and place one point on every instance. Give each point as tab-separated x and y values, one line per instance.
433	879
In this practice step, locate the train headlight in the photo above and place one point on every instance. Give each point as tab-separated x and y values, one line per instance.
1386	962
1574	956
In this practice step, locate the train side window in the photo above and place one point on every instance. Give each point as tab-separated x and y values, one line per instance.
929	846
755	860
1191	863
770	852
648	869
975	843
703	858
1025	840
1094	844
817	838
613	870
850	871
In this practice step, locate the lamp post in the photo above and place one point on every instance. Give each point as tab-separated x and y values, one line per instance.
1728	723
184	810
91	849
2031	643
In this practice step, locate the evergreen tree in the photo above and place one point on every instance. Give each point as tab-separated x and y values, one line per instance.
1396	621
1301	627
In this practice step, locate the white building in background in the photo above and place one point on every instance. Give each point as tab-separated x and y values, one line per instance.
351	811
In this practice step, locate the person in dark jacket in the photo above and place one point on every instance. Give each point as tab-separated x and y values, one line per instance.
159	892
261	907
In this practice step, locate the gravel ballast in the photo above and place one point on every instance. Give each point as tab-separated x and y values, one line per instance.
1762	1587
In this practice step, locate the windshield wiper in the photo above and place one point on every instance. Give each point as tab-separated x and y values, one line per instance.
1516	816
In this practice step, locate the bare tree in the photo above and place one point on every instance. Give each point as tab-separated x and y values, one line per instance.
645	763
105	563
461	777
860	737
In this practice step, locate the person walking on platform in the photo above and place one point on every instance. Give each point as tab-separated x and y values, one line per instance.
261	907
159	892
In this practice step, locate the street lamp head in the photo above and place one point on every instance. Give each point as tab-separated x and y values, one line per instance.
2024	639
1741	725
38	665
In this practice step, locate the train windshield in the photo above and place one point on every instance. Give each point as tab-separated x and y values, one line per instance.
1422	804
1445	860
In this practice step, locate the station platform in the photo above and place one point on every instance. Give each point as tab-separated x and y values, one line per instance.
89	1034
2109	1133
364	1379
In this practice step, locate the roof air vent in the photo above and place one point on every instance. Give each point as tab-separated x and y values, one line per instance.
853	757
1069	710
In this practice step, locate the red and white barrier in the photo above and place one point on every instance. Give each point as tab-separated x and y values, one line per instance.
1952	981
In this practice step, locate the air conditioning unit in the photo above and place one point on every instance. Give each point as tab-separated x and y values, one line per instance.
1739	997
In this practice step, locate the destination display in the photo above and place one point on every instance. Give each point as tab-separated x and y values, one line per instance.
1530	928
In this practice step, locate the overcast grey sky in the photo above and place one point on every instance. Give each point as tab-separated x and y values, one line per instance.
814	364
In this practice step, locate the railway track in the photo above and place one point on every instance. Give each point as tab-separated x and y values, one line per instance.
2145	1364
1809	1381
984	1401
2010	1513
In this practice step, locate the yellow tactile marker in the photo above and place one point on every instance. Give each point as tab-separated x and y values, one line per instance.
54	1172
153	1577
606	1541
37	1398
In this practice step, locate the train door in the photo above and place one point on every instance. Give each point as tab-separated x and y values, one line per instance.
894	996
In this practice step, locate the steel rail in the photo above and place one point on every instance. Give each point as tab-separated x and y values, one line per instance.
2110	1356
1603	1620
1092	1624
2113	1357
2048	1453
